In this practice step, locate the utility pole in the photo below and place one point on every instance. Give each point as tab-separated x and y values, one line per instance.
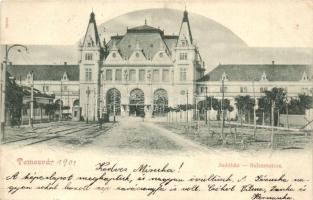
210	114
68	99
3	86
88	93
222	110
187	106
60	106
94	104
287	112
31	101
272	115
206	110
114	98
254	112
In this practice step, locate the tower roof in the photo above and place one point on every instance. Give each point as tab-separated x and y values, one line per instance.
92	32
185	30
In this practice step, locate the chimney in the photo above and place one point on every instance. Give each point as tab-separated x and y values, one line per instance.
273	62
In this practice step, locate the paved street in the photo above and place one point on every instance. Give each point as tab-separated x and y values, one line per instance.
129	135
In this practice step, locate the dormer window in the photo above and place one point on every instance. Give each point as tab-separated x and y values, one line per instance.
161	55
29	77
113	55
263	77
305	76
224	77
183	43
64	78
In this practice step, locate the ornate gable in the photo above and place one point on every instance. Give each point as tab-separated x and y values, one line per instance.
114	55
137	55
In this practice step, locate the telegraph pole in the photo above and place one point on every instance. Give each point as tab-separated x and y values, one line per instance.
114	105
254	111
31	101
187	106
94	104
206	109
222	109
88	93
60	106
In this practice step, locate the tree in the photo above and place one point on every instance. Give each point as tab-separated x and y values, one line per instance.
245	105
297	106
277	97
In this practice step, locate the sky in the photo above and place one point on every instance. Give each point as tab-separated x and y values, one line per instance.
268	23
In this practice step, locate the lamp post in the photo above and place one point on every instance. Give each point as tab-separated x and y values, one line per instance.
60	106
187	106
287	111
31	100
114	106
222	110
88	93
3	83
205	107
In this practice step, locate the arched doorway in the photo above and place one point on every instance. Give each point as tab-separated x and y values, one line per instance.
76	102
160	102
136	103
113	100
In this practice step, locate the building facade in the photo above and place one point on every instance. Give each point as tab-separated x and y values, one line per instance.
254	80
142	72
62	81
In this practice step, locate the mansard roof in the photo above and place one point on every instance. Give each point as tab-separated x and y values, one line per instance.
248	72
45	72
149	39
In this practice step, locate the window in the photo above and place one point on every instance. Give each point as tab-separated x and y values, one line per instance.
64	88
223	89
45	88
88	73
305	90
132	75
183	56
142	75
183	43
243	89
161	55
183	74
263	89
88	56
203	89
108	75
137	55
114	55
118	75
155	75
165	75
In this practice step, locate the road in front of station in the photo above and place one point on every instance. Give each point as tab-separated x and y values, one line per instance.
128	135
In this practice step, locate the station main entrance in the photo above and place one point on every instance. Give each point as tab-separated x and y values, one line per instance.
136	103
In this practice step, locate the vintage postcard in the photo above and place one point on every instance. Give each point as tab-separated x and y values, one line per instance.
156	100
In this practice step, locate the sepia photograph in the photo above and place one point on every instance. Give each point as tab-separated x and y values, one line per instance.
149	92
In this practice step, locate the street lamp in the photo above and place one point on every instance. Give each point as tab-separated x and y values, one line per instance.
3	82
60	106
88	93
